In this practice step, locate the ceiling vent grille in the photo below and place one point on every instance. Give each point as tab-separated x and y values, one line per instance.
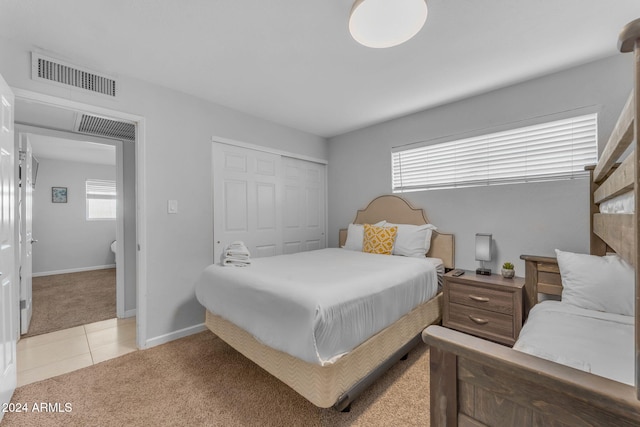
56	71
100	126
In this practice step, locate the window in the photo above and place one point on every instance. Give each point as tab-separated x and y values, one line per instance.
549	151
101	199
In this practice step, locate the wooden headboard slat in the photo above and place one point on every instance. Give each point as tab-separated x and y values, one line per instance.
549	289
619	182
619	141
548	267
616	230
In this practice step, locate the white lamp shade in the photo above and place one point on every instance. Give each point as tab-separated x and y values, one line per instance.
386	23
483	247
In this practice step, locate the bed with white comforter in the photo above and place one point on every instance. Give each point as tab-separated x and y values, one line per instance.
318	305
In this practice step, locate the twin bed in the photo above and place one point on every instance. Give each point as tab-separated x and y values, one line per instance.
575	363
329	322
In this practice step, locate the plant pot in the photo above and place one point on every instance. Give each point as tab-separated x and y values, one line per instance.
508	274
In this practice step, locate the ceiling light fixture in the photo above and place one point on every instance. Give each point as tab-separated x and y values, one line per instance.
386	23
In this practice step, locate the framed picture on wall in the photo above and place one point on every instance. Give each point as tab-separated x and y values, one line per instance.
59	194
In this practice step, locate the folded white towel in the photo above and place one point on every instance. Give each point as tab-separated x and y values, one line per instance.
229	262
237	248
236	254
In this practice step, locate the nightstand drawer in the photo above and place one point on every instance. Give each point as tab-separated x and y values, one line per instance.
480	322
481	297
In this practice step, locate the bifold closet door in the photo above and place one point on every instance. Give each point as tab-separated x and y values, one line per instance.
246	200
275	204
304	205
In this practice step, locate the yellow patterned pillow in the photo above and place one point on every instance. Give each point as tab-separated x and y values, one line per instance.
379	240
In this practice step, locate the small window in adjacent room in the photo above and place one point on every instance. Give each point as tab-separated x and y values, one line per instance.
101	199
548	151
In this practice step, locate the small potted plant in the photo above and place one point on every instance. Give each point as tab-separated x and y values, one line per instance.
507	270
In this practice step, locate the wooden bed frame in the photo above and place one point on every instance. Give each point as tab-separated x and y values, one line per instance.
340	383
478	383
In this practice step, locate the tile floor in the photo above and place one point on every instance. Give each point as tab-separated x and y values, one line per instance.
48	355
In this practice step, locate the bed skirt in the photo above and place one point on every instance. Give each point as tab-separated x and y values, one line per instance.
325	385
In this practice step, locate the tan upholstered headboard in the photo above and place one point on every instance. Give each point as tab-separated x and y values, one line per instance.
396	210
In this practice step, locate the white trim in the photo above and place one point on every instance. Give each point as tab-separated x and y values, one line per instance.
24	128
119	255
119	164
54	101
257	147
171	336
141	233
73	270
128	313
141	225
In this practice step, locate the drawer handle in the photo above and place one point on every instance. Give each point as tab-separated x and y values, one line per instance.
479	299
479	320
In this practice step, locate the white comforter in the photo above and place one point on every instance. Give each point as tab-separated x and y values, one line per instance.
593	341
318	305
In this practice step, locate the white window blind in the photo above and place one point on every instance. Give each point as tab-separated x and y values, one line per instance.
101	199
550	151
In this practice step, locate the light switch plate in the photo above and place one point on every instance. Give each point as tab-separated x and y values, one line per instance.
172	206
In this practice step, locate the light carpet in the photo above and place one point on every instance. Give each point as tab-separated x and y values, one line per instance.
63	301
201	381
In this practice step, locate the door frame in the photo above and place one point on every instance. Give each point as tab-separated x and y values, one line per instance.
25	242
140	162
37	130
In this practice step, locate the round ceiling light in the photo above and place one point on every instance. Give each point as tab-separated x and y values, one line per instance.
386	23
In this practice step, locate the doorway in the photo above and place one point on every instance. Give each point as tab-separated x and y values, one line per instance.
70	192
55	121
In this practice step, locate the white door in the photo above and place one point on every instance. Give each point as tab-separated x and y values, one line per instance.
304	205
246	200
26	233
8	290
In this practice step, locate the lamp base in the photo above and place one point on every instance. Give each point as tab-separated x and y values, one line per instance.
483	271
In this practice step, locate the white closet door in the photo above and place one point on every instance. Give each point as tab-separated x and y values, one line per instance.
304	205
247	200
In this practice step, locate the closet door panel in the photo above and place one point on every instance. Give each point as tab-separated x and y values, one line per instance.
274	204
236	206
305	201
246	200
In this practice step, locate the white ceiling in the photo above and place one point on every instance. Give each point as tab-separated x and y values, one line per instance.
293	62
50	147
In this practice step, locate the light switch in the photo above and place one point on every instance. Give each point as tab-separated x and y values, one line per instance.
172	206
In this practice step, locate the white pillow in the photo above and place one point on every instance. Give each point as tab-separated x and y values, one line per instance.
597	283
412	240
355	236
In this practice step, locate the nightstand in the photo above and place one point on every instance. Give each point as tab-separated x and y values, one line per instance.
485	306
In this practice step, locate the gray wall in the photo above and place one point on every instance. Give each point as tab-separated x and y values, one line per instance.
530	218
178	135
66	240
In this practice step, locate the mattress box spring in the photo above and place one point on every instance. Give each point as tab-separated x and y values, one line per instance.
323	385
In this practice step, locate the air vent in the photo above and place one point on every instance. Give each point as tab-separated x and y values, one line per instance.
56	71
100	126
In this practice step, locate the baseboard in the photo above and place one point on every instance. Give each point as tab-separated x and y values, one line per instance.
73	270
162	339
